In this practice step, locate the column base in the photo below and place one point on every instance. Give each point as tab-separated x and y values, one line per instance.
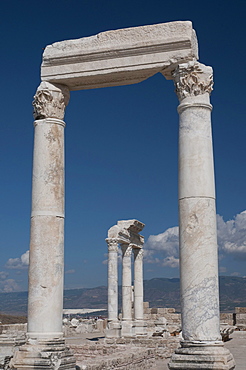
113	329
200	355
127	329
44	354
140	327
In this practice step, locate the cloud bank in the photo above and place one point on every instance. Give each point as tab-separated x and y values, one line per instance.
18	263
163	248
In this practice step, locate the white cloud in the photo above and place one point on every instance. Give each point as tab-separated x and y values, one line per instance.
3	275
18	263
235	273
163	248
9	285
171	261
232	234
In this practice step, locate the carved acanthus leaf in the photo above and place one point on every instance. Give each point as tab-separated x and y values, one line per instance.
50	101
192	79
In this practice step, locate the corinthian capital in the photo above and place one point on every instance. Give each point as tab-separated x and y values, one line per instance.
50	101
192	79
112	244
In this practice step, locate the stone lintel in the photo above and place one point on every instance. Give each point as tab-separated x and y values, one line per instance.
119	57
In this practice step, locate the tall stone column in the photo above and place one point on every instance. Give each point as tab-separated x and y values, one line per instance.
138	291
113	329
201	345
126	290
45	295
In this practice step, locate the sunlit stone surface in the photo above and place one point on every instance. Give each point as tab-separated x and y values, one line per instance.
115	58
201	346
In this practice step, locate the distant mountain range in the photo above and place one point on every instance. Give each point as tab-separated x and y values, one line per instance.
159	292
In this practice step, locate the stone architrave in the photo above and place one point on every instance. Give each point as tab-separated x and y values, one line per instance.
201	346
120	57
45	345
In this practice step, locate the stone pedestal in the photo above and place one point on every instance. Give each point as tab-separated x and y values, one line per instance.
198	239
113	329
44	354
198	355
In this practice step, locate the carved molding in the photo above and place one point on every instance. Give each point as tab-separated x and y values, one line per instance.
192	79
112	245
50	101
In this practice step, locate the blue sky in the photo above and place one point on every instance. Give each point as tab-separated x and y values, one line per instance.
121	142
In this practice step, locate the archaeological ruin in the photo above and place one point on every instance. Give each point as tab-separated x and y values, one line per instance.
125	233
113	58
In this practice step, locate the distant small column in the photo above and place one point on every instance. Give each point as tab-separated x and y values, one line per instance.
201	346
112	279
126	290
126	282
138	283
140	327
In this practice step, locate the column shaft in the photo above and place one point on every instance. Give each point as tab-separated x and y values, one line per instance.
126	282
198	238
138	284
45	302
112	279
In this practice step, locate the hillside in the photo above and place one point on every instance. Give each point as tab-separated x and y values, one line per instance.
160	292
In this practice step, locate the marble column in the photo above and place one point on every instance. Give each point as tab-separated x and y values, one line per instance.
45	294
198	240
126	290
113	329
138	291
138	284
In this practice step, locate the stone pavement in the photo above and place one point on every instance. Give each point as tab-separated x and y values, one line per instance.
236	344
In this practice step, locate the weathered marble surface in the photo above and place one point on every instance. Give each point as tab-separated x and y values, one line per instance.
112	279
119	57
138	284
201	346
45	300
126	282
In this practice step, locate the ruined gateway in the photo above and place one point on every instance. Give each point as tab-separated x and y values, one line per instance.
114	58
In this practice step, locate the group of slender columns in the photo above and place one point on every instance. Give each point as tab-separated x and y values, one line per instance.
131	324
201	344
